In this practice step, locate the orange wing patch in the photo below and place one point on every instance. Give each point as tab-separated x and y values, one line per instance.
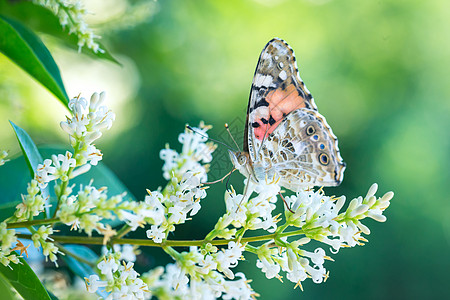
281	103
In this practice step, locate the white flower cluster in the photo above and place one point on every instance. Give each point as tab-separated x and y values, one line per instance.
86	210
3	155
120	279
84	127
181	197
255	213
72	14
32	204
292	260
195	275
319	218
195	151
337	229
174	206
7	240
41	238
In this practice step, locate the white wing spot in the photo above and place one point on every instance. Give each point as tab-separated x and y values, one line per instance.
262	80
283	75
265	55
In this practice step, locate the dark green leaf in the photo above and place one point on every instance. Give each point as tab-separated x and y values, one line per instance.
25	49
29	149
24	280
43	20
52	296
15	176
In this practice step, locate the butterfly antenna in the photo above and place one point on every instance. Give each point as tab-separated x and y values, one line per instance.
203	135
229	132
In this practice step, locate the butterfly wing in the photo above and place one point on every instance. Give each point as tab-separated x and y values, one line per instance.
277	90
302	151
285	134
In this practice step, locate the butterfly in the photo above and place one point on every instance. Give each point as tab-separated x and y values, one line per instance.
285	135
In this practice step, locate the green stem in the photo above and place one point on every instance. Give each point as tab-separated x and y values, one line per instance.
240	233
122	232
32	223
66	10
281	228
150	243
172	252
61	192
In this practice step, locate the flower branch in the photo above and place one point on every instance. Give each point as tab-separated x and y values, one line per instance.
206	269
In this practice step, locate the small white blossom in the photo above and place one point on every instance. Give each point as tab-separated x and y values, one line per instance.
174	283
7	240
41	238
122	281
195	151
86	209
156	233
108	266
71	14
93	283
3	155
270	268
229	258
88	119
32	204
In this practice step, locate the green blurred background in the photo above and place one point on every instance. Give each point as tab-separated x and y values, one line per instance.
378	70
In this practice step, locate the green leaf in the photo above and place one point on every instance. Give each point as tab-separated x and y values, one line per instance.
43	20
24	280
25	49
29	149
32	157
79	268
6	289
15	176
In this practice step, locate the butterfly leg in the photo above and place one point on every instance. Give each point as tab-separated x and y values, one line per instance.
285	203
221	179
248	191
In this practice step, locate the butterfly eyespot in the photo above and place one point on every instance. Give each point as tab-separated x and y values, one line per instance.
310	130
315	137
322	146
323	159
